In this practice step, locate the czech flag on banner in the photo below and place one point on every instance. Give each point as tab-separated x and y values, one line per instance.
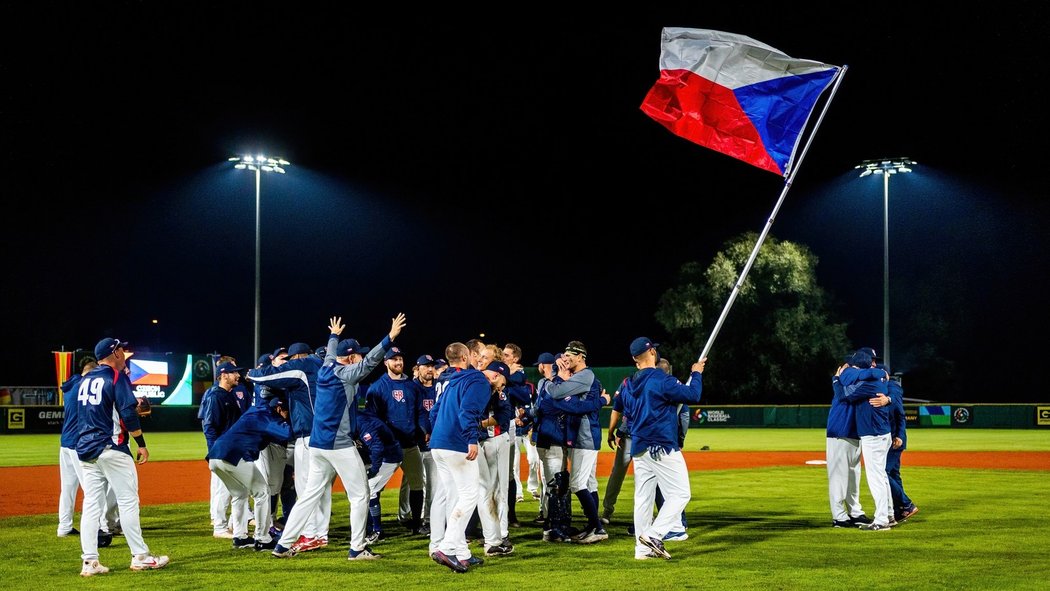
735	95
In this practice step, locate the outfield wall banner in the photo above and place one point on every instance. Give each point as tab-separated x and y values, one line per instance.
1042	416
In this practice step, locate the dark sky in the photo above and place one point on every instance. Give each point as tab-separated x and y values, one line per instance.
496	175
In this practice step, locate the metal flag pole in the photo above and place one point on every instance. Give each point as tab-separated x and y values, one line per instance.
769	223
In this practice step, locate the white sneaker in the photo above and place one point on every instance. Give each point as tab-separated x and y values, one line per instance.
92	568
148	562
223	533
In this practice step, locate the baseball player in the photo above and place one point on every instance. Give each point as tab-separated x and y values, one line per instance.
398	401
842	453
297	376
494	447
332	445
106	416
651	400
219	409
234	458
576	391
462	397
385	456
425	378
903	507
70	473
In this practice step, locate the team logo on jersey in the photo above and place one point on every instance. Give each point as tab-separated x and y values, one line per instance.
428	404
366	437
502	395
399	395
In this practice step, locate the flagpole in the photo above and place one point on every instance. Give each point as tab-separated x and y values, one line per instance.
769	223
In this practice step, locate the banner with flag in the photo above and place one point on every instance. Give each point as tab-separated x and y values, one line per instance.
63	369
736	95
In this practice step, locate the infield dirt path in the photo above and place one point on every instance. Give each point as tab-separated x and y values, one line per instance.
34	490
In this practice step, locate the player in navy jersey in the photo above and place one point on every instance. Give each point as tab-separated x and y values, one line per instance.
107	418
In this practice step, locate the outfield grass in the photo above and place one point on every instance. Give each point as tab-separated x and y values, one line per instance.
757	529
42	450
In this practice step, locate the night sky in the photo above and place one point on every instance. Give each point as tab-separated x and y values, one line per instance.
465	174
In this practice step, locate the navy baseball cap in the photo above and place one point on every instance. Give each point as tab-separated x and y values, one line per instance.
279	351
544	358
348	346
227	367
275	402
871	352
321	351
862	358
393	352
641	345
500	368
264	359
425	360
108	346
440	363
299	349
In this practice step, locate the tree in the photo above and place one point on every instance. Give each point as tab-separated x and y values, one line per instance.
779	342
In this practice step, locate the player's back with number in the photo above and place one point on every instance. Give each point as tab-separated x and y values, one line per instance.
105	405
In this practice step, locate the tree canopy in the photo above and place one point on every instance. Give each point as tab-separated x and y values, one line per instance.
779	342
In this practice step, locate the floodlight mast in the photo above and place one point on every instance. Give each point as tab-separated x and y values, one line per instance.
258	164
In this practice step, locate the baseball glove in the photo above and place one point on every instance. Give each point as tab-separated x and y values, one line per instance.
144	408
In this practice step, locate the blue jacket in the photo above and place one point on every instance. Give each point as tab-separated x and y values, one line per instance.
298	378
582	427
549	425
842	422
106	412
650	402
380	441
898	422
70	427
860	385
335	409
429	397
219	411
399	403
499	408
624	426
256	429
462	396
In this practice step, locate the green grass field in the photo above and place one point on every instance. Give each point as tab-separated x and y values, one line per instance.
749	529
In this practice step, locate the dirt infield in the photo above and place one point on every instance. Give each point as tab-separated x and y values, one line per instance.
34	490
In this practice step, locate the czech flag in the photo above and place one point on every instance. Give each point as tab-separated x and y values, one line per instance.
735	95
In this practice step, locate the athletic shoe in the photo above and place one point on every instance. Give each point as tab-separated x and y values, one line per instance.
519	499
591	536
905	514
604	520
860	520
92	568
676	536
656	546
260	546
423	530
72	532
148	562
373	537
443	559
104	539
274	532
116	530
364	554
222	533
280	551
540	519
499	550
472	561
648	554
556	535
875	527
845	524
311	544
243	543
